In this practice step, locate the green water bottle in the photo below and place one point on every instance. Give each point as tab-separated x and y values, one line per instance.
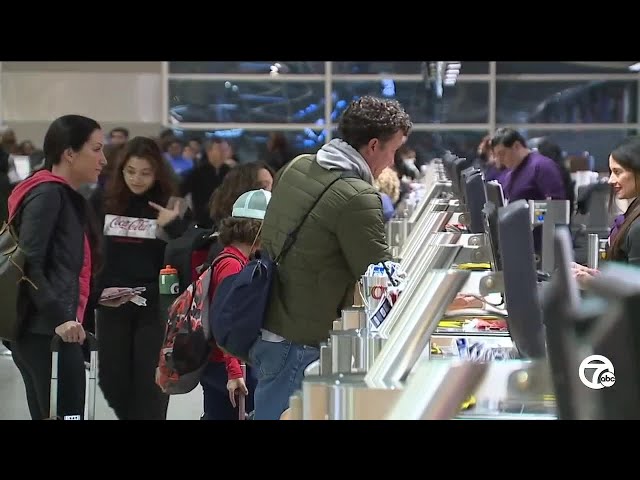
169	287
169	281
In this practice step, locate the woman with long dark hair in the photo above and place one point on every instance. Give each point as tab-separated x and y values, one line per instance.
61	244
624	238
132	210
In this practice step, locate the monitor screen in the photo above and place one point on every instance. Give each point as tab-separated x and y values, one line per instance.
459	165
563	244
495	193
448	161
560	301
454	166
490	216
520	280
475	197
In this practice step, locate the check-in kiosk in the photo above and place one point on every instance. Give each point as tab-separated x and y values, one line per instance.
385	371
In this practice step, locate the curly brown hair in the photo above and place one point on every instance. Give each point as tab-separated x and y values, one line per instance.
239	230
371	117
118	195
239	180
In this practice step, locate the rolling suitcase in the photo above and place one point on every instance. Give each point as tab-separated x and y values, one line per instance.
56	343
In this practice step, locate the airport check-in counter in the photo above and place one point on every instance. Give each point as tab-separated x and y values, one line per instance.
359	366
389	372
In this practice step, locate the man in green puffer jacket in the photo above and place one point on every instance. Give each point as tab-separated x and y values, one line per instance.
340	238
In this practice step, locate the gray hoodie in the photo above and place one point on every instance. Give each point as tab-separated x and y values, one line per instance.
339	155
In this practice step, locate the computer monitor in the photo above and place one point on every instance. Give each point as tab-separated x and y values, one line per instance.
520	280
490	217
560	301
459	165
616	337
454	166
495	193
564	258
449	162
475	196
603	324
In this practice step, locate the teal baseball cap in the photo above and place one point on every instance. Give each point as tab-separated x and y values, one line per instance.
251	204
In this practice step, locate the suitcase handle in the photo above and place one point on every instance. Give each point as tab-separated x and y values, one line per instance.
56	342
242	414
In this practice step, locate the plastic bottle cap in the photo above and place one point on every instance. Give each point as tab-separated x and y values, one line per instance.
168	270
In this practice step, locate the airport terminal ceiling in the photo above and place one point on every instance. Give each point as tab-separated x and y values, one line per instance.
583	105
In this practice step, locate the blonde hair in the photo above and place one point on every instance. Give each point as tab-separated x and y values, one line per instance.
389	183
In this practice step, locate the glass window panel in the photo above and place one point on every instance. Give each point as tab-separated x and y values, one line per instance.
253	102
464	102
566	102
251	145
359	68
246	67
562	67
598	143
430	145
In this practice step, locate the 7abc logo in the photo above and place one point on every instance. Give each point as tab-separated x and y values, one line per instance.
603	373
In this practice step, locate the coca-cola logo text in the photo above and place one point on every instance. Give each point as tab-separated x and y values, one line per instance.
128	223
123	226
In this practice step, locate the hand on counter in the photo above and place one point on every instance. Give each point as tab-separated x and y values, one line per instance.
583	274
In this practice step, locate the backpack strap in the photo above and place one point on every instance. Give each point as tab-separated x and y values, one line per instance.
291	237
221	257
217	260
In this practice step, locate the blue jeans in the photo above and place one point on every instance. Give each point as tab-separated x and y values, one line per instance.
280	370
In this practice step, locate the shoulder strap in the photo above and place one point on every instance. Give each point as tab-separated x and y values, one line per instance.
291	237
222	256
203	268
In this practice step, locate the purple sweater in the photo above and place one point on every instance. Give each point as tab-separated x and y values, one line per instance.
536	178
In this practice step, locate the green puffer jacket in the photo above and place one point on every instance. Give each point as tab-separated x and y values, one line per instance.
341	237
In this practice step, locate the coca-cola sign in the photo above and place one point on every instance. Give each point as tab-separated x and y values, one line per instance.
121	226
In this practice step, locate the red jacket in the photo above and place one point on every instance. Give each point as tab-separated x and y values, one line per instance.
223	269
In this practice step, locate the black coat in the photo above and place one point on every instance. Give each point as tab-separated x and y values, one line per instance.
51	222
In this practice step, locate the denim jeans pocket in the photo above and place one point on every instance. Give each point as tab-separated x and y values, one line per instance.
269	357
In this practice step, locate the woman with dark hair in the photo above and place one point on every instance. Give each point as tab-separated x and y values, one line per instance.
624	238
245	177
131	212
61	245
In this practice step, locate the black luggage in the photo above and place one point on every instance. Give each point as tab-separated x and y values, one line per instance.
56	343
